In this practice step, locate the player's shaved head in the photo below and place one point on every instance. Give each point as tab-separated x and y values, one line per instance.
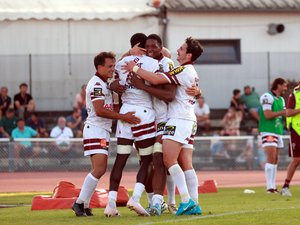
155	37
138	38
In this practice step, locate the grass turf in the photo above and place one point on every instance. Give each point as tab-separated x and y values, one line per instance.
229	206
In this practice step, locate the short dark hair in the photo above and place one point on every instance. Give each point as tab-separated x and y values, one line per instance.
23	85
100	58
194	47
276	82
138	38
236	91
155	37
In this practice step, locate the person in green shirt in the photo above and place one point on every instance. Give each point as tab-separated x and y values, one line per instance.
271	126
8	123
251	100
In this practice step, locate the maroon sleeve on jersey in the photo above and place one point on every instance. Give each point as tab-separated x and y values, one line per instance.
291	101
172	78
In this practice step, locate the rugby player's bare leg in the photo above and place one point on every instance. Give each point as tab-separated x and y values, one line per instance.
171	152
272	153
291	171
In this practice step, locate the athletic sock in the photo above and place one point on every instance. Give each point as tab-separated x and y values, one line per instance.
157	199
87	190
286	183
150	196
112	199
274	176
171	190
269	175
179	180
138	191
192	183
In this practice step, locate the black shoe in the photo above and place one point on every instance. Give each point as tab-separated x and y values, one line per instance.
88	211
78	209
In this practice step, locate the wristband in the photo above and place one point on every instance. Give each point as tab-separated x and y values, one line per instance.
135	69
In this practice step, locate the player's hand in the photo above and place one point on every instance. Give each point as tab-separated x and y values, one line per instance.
194	91
131	118
128	66
136	50
117	87
136	81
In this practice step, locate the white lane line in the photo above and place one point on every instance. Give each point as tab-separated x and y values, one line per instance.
216	215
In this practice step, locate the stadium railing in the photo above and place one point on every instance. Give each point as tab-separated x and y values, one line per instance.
211	153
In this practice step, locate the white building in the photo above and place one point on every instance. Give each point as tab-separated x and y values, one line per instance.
50	44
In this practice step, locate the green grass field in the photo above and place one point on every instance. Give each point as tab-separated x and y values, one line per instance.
229	206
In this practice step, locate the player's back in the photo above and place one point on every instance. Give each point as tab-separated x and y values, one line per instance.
132	95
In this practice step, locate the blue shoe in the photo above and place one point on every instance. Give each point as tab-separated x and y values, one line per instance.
184	207
194	211
155	210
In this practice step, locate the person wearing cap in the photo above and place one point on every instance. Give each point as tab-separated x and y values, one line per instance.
8	123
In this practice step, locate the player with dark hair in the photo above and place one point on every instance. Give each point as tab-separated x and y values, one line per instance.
271	114
97	128
181	127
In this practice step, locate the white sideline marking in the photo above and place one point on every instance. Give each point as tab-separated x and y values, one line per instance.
216	215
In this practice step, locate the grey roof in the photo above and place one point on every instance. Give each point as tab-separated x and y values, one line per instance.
234	5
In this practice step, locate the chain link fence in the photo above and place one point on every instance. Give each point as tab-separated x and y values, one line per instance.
211	153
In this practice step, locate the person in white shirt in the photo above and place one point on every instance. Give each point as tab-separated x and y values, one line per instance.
96	132
181	127
202	112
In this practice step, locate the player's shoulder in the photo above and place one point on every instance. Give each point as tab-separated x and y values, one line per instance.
266	98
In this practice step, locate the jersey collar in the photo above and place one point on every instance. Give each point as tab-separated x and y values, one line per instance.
101	77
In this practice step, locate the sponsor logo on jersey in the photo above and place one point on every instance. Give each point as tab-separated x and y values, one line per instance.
170	130
160	126
176	70
98	92
171	66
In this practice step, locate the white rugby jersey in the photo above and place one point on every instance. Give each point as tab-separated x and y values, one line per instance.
161	107
132	95
97	90
182	107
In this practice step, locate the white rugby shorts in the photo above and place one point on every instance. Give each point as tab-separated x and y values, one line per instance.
95	140
144	130
271	139
182	131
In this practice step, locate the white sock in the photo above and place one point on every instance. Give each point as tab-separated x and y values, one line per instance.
269	175
138	191
87	190
112	199
171	190
157	199
150	196
274	176
179	180
192	183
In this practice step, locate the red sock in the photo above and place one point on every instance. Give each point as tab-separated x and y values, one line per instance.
286	183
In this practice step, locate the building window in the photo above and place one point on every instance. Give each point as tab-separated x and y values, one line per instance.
220	52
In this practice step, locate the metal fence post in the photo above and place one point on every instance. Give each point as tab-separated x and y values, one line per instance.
11	156
255	152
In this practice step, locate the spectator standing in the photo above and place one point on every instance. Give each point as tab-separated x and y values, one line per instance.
37	124
8	123
202	112
74	121
80	102
24	148
5	101
21	101
251	100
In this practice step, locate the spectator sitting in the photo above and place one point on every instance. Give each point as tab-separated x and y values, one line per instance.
231	122
5	101
80	102
8	123
24	148
202	113
37	124
251	101
74	121
21	101
236	102
62	133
